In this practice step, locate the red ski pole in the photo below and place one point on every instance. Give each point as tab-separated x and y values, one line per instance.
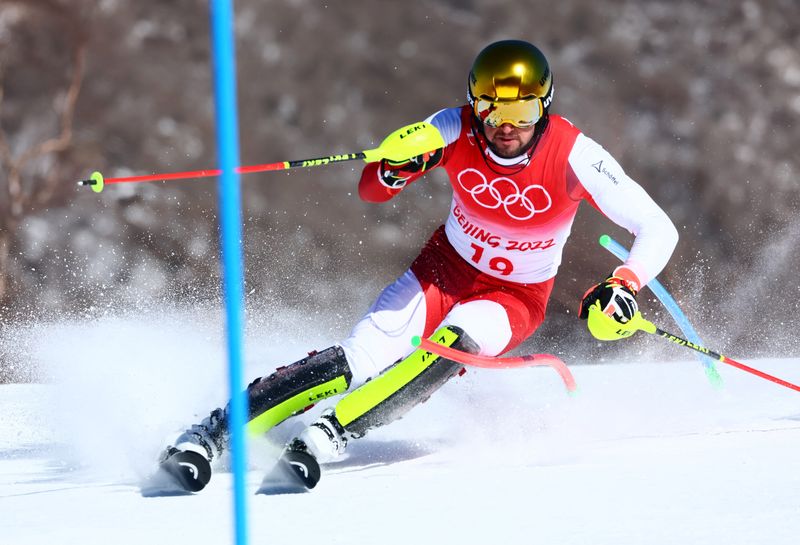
401	145
638	322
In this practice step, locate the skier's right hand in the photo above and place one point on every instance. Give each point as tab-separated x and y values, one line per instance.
615	297
396	174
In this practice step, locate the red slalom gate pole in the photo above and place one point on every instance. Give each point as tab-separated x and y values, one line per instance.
487	362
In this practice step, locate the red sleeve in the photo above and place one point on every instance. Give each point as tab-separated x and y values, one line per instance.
370	189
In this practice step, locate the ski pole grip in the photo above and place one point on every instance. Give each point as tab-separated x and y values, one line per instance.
407	142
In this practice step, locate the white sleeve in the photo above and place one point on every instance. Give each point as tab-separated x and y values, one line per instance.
448	121
626	204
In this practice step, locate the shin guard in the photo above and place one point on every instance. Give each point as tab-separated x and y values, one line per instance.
402	386
295	388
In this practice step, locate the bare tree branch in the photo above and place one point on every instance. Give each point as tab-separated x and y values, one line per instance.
22	193
19	199
64	140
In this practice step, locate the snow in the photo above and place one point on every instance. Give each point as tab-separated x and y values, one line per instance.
647	452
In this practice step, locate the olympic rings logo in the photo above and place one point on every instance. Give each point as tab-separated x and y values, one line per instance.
519	205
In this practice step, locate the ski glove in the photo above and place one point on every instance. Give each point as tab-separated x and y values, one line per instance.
395	174
615	298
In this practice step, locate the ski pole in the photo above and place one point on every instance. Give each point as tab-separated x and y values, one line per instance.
403	144
639	323
487	362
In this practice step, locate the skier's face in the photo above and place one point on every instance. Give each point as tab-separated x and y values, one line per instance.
508	141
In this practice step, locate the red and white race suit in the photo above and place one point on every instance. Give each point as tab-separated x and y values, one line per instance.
490	269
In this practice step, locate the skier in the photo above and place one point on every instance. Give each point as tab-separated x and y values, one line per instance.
480	284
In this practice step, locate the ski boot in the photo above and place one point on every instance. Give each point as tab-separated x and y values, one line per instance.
189	461
298	470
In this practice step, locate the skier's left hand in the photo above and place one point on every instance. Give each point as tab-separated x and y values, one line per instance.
615	299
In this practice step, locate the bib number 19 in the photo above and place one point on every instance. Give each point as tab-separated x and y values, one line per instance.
498	264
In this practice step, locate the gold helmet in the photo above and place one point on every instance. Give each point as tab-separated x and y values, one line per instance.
510	82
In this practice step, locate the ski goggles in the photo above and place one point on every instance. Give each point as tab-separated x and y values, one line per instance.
520	113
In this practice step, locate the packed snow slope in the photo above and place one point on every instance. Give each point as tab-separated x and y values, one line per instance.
646	453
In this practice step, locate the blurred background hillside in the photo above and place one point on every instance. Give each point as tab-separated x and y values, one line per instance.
699	101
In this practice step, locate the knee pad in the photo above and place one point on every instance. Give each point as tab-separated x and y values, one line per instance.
487	320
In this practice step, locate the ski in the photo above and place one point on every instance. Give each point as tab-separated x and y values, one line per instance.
185	472
180	472
296	472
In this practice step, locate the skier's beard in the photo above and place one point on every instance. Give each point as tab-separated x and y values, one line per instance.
511	153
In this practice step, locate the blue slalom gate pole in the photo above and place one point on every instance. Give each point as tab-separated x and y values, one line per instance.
224	55
672	307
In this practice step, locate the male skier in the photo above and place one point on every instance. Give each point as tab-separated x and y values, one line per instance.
480	284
